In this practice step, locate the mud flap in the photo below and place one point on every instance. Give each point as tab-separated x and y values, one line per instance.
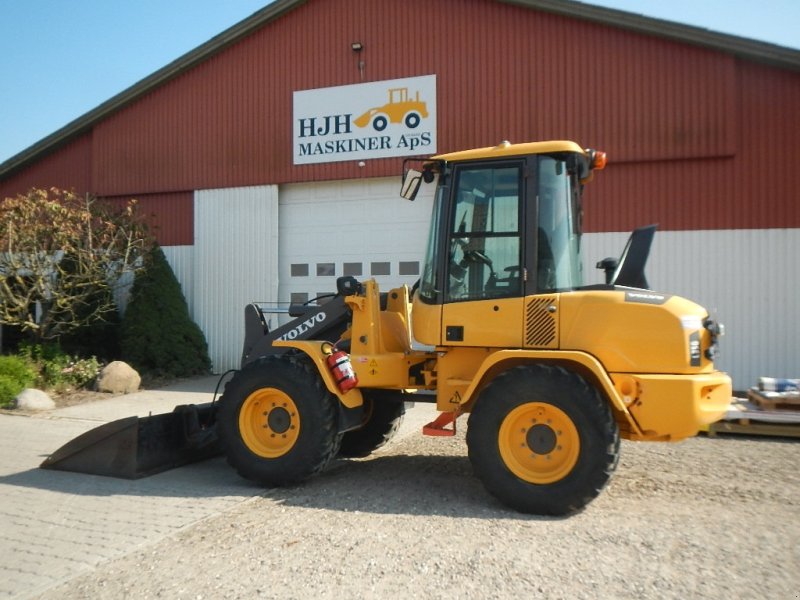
136	447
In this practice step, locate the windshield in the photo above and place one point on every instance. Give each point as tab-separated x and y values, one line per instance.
559	266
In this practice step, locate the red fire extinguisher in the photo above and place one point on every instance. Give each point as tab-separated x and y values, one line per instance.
342	370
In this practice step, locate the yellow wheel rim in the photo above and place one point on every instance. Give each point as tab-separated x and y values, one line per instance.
539	443
269	423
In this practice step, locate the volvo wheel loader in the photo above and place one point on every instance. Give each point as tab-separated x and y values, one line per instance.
500	331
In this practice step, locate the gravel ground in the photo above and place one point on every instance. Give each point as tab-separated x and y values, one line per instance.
704	518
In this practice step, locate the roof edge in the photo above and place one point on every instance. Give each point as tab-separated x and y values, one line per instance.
175	68
748	48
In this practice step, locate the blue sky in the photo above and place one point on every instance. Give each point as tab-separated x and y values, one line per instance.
61	58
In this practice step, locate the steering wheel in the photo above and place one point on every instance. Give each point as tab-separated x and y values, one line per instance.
477	256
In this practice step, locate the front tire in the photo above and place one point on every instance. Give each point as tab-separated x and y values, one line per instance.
542	440
384	414
277	421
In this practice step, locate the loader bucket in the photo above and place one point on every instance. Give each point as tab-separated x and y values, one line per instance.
136	447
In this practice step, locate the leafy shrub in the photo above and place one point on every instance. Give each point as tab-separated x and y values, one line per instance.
158	335
97	241
18	369
57	369
15	375
9	390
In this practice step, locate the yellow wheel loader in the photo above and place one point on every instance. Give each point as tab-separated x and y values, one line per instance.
499	331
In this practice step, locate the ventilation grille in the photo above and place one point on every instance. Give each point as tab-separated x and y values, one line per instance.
540	323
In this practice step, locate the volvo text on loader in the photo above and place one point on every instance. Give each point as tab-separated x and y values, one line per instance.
499	331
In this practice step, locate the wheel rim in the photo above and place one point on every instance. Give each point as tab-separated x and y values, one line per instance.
539	443
269	423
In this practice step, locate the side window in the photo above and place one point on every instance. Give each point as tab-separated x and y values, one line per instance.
559	265
484	233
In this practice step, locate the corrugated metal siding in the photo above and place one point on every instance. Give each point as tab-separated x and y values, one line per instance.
767	175
169	217
182	261
235	263
756	188
503	72
697	138
748	278
69	167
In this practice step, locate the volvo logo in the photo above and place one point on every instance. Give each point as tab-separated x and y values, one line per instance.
305	326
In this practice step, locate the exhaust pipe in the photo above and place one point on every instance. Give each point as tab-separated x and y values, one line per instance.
136	447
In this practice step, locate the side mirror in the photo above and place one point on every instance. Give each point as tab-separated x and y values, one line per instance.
609	266
412	179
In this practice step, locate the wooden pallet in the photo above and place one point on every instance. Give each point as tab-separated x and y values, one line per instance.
747	418
774	400
748	427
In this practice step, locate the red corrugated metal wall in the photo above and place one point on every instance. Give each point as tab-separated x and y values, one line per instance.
696	138
69	167
168	216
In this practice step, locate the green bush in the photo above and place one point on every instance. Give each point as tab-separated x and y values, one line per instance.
158	335
18	369
9	390
15	375
57	369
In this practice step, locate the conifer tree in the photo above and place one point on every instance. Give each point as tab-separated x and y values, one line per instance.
158	335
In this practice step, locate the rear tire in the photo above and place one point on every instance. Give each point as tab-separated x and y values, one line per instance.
277	421
384	413
542	440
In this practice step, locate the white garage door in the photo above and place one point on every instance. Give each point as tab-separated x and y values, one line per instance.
356	227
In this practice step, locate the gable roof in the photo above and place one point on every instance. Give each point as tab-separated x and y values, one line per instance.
745	48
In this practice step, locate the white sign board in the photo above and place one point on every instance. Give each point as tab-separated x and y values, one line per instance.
364	121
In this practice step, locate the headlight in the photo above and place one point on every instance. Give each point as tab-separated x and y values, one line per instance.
715	330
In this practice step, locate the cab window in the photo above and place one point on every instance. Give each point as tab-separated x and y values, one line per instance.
484	233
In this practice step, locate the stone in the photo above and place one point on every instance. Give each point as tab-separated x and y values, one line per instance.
33	399
118	378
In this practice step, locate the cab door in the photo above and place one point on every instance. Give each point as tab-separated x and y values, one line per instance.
485	273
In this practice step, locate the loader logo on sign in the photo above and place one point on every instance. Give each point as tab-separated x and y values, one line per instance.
370	120
399	109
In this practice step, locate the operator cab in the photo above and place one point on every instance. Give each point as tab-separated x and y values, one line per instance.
506	224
